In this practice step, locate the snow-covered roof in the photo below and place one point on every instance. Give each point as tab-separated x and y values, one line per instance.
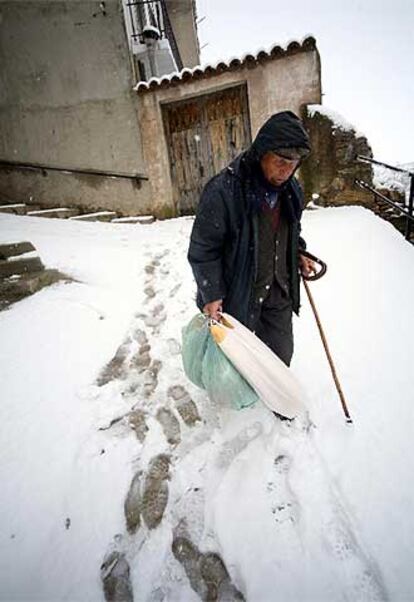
233	64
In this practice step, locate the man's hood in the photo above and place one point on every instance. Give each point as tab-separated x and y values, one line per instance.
281	131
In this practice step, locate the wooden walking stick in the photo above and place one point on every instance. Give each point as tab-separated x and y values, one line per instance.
321	332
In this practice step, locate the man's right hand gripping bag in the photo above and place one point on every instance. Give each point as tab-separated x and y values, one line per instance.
207	366
272	380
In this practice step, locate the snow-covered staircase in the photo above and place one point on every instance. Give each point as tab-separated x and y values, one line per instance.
16	208
74	214
22	272
60	212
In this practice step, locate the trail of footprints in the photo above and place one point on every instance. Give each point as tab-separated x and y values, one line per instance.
206	572
148	494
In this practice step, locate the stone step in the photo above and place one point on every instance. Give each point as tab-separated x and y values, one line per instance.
100	216
15	248
134	219
18	287
59	212
17	208
11	267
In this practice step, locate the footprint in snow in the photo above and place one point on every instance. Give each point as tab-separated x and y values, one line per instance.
284	507
339	537
137	422
150	269
170	425
142	359
116	368
366	582
115	576
132	504
174	346
206	572
185	405
149	292
230	449
175	290
154	320
155	492
140	336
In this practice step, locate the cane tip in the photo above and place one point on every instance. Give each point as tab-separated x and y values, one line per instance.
349	420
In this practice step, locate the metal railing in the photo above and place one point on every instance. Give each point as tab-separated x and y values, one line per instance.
154	13
406	212
68	170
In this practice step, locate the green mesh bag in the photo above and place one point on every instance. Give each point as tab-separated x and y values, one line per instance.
223	383
208	367
194	344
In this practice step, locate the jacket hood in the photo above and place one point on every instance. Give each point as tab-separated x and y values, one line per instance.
281	131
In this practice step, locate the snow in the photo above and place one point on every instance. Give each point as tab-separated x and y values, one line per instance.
151	29
46	211
12	206
138	219
27	255
339	121
387	178
93	216
313	511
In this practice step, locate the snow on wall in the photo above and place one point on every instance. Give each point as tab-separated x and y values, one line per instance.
386	178
338	120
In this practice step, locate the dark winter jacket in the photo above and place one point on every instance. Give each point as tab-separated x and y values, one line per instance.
223	250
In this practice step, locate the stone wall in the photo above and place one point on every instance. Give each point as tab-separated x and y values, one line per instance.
47	189
67	100
331	170
182	16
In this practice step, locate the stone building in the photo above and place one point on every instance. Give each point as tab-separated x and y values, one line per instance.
70	133
194	123
103	106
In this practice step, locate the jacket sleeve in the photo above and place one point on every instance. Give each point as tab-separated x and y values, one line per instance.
208	237
301	199
301	241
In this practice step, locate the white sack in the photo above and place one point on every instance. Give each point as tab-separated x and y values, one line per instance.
272	380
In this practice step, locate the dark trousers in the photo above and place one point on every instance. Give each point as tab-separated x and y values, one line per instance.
273	324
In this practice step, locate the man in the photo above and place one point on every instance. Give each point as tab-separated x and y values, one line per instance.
245	243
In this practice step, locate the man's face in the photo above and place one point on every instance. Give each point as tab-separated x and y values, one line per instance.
277	169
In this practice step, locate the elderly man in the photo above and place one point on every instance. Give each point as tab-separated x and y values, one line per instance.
245	243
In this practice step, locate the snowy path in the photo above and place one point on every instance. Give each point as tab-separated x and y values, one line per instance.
123	461
246	474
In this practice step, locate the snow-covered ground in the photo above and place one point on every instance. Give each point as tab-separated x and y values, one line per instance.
323	513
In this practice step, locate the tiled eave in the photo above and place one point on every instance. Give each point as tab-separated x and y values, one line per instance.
248	61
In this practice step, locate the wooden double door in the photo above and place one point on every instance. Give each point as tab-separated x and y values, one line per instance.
203	135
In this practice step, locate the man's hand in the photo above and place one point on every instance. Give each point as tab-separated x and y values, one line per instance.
307	266
214	309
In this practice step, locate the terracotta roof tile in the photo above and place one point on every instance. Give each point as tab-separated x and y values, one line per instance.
248	60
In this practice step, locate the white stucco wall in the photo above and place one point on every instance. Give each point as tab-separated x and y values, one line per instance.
275	85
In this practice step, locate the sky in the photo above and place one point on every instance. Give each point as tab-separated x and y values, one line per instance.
366	50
